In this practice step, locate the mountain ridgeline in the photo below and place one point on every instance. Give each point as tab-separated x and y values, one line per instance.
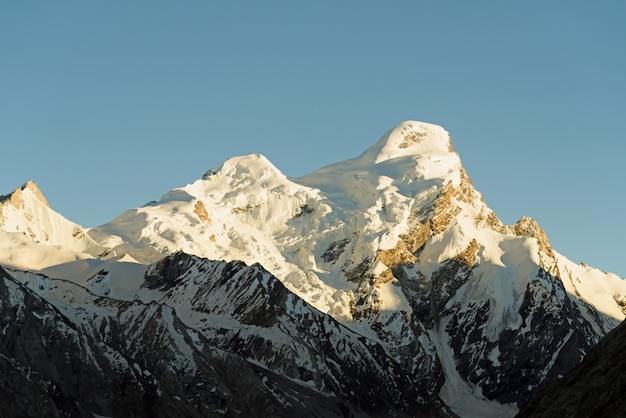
377	286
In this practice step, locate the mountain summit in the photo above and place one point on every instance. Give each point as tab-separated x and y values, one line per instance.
409	139
385	270
26	218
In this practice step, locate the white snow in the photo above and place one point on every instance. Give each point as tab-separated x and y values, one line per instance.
19	251
393	298
27	213
463	398
599	289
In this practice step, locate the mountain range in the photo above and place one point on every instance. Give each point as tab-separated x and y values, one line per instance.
378	286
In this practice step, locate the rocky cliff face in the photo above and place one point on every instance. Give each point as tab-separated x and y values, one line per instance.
267	353
388	270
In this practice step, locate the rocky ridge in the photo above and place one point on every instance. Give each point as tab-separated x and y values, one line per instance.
138	358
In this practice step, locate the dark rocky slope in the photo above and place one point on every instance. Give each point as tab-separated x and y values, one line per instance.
594	388
90	354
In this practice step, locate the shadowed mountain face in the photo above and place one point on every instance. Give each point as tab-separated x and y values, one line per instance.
140	359
594	388
381	284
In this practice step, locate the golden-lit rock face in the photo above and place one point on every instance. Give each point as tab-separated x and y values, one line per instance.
427	223
16	198
527	227
430	221
468	257
412	137
436	220
200	210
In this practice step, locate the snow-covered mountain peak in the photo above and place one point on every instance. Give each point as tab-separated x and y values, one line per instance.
252	167
22	210
27	220
411	138
528	227
17	198
408	156
230	213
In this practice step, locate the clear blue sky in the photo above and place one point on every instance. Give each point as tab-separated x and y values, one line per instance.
110	104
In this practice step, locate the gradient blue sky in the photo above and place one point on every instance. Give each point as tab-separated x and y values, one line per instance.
110	104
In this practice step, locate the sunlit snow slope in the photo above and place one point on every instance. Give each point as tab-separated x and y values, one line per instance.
27	219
